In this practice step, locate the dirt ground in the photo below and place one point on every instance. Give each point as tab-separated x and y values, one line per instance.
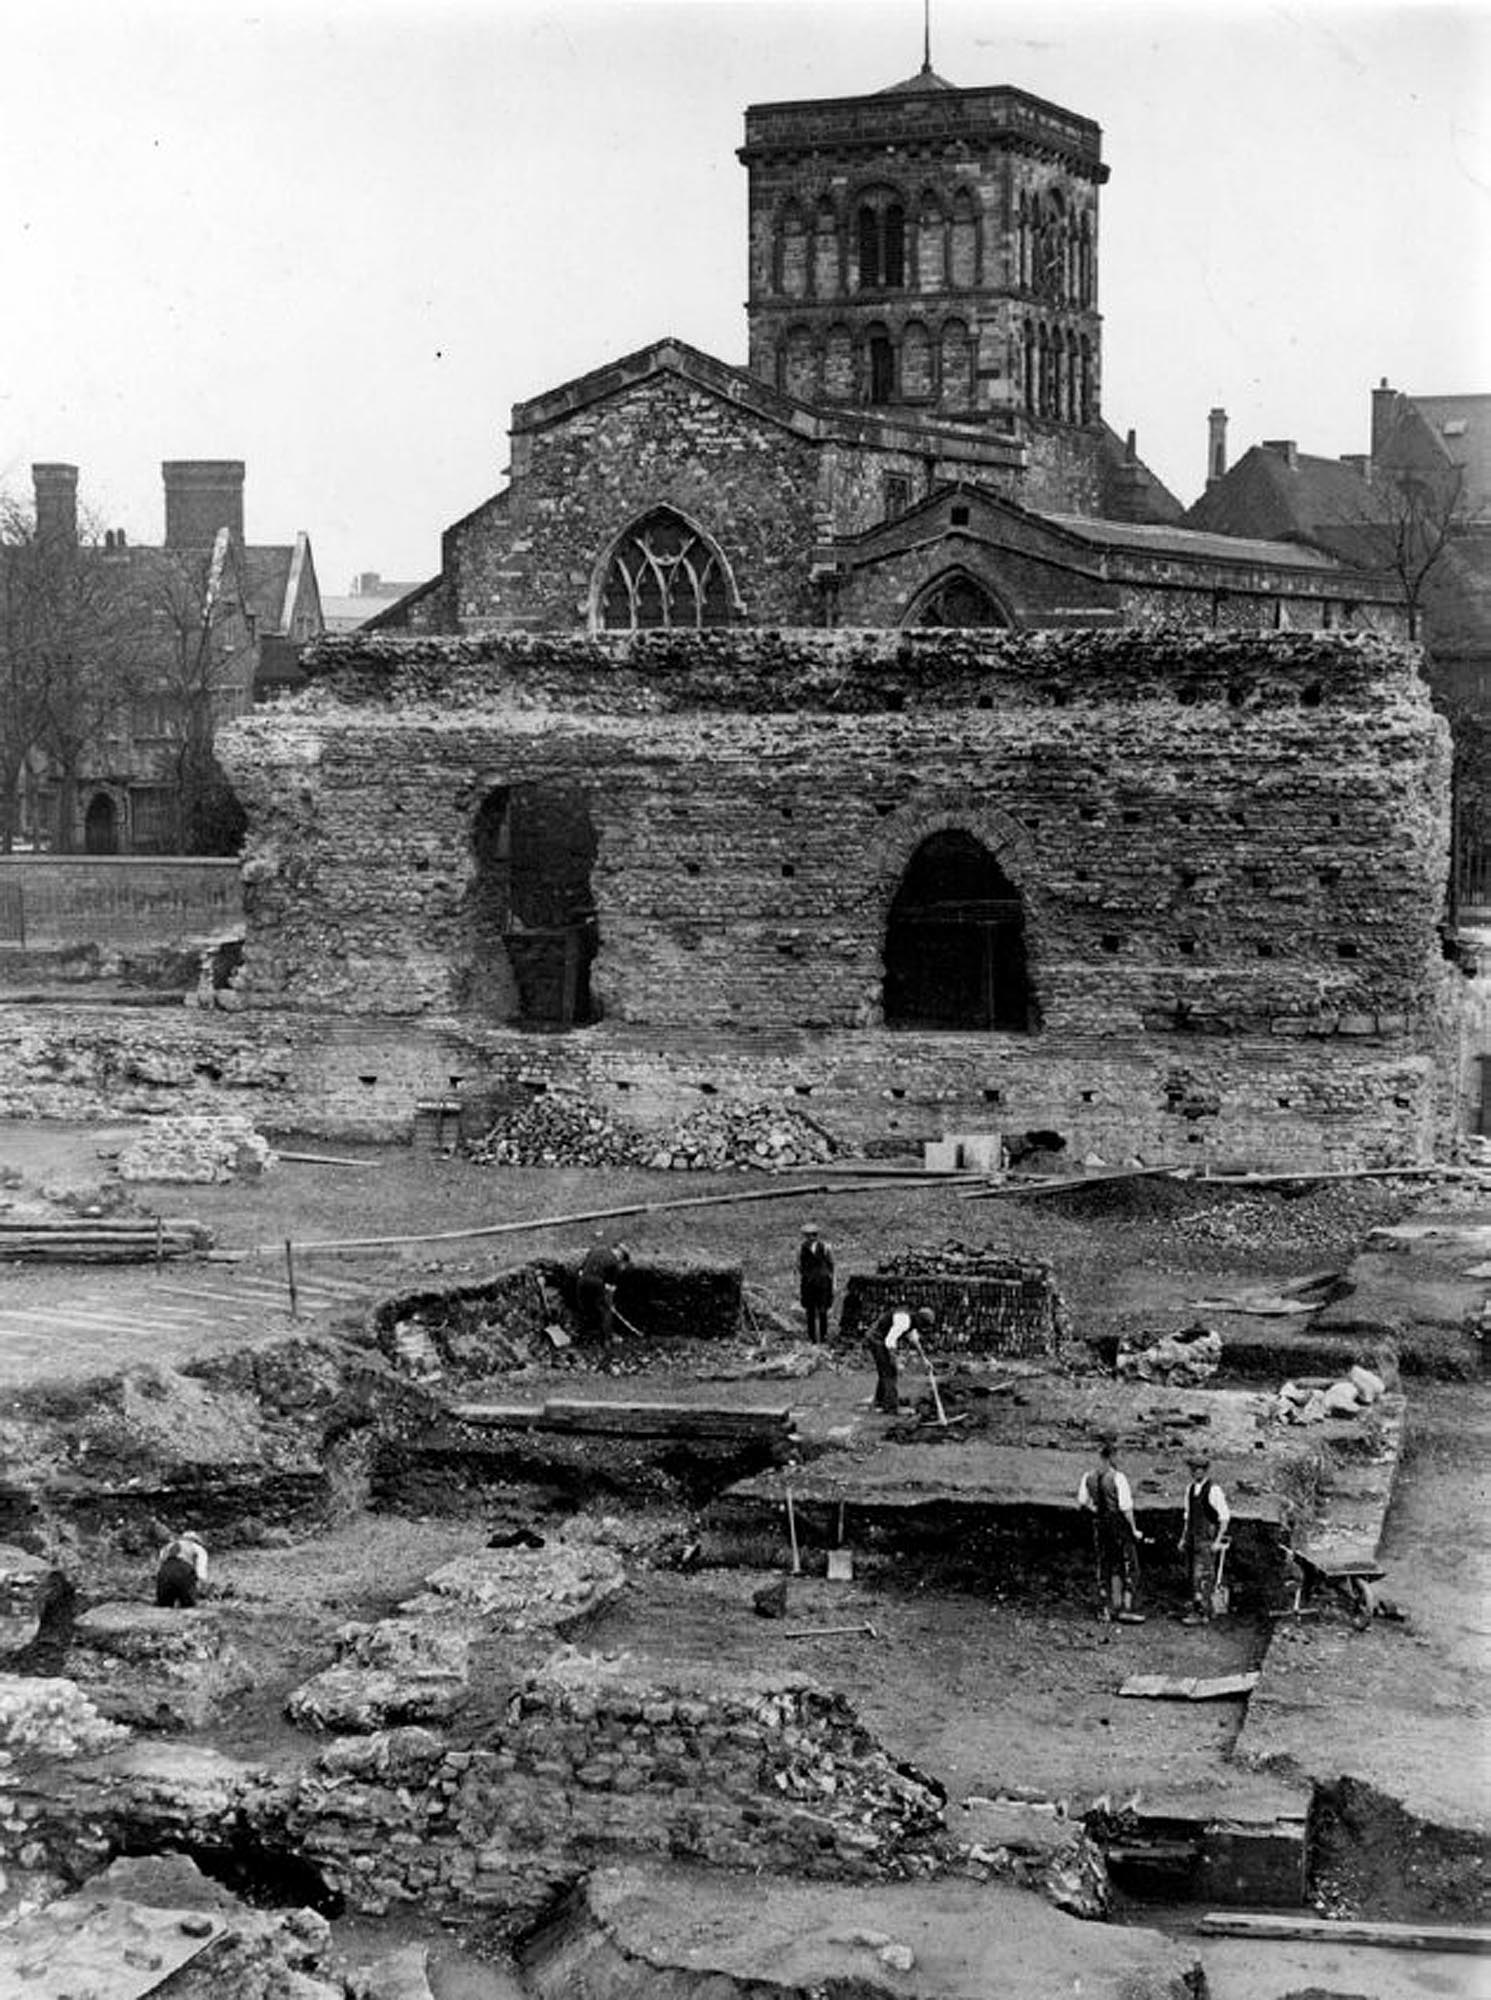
996	1688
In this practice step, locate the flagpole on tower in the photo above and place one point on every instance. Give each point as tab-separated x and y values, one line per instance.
926	37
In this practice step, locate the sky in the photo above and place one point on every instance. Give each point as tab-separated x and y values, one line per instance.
338	239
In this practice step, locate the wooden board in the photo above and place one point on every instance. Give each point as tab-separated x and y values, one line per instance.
648	1419
1189	1687
1328	1930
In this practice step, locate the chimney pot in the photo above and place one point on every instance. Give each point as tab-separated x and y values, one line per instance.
1216	445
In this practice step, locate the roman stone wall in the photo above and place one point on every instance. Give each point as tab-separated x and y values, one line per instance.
1230	926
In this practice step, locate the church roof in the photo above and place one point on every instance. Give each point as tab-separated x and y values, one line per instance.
925	79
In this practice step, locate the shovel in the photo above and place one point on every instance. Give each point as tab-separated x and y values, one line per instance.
936	1392
1221	1594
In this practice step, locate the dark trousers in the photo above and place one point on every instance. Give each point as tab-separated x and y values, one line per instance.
597	1311
887	1375
816	1309
175	1583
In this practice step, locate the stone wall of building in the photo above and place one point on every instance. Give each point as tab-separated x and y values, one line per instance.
751	485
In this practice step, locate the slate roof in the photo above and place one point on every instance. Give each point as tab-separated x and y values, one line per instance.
1263	494
925	79
1159	538
1460	427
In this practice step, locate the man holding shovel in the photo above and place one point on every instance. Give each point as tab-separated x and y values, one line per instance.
1105	1493
595	1288
889	1331
1203	1538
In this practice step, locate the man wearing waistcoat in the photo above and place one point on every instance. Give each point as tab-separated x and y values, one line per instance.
1203	1534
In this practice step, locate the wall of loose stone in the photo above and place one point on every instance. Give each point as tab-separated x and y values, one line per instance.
1230	854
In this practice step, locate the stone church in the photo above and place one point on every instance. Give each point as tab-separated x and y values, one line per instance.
917	439
678	783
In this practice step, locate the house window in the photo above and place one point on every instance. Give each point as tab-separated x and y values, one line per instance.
897	494
664	573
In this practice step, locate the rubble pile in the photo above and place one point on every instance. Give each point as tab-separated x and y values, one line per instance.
52	1718
556	1131
1184	1359
741	1135
1314	1399
196	1147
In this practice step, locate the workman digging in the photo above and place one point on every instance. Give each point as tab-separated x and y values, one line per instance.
180	1572
1203	1537
1105	1493
889	1332
595	1288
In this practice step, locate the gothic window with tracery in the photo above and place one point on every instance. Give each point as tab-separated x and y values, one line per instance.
664	573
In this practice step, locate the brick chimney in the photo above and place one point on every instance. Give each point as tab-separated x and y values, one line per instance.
1386	407
56	490
1216	445
1285	448
202	495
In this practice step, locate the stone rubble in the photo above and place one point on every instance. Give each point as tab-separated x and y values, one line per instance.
557	1130
196	1147
1184	1360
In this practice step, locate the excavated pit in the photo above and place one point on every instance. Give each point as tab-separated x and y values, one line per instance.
611	1713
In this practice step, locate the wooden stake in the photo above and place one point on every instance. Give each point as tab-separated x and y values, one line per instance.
290	1278
792	1532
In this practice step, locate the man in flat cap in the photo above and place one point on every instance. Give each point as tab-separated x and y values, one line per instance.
815	1281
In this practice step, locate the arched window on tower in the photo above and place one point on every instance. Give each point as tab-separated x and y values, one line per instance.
1073	380
792	253
880	235
916	362
664	573
964	249
955	955
1084	251
880	366
958	601
799	365
931	245
1023	236
957	366
826	251
1089	400
1029	360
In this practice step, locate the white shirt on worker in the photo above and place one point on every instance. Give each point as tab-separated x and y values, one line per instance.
186	1548
900	1326
1088	1499
1213	1496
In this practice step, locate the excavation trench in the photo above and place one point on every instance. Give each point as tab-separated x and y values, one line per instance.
525	1644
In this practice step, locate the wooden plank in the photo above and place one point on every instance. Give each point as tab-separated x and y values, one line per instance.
1189	1687
1330	1930
646	1419
500	1416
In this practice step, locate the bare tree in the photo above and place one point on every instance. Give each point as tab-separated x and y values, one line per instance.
202	651
69	659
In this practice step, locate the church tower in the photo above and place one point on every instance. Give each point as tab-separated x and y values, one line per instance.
928	252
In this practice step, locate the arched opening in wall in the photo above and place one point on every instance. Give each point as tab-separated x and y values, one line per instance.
532	912
664	572
955	942
959	600
880	359
101	825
